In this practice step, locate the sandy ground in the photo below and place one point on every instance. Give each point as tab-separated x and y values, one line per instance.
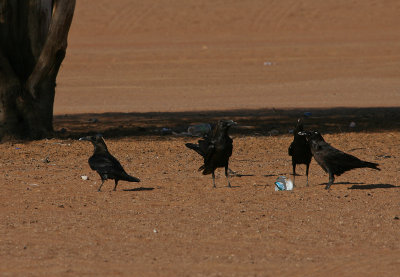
174	223
216	55
136	67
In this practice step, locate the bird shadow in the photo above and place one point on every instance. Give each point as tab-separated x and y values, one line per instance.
241	175
374	186
279	174
354	149
139	189
343	183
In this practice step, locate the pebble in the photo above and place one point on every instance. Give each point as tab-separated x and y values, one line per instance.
46	160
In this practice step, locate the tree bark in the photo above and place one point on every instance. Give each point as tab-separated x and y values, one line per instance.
33	42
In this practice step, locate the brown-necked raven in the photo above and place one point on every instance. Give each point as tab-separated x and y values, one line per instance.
300	150
332	160
105	164
215	149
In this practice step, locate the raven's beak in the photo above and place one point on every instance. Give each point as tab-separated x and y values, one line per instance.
84	138
231	123
303	133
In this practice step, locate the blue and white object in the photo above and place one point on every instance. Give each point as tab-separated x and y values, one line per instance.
282	183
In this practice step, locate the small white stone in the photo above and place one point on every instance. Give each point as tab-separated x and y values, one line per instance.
155	231
84	177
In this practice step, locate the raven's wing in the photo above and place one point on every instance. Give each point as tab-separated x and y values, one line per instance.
200	148
204	144
209	151
229	146
209	154
195	147
291	149
106	164
338	161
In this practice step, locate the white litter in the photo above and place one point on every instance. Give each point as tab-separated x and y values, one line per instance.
282	183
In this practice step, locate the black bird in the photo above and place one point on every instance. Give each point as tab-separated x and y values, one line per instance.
216	149
300	150
332	160
105	164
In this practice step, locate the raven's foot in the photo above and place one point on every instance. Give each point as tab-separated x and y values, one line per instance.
328	186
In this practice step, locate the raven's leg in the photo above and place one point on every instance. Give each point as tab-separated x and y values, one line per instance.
227	176
294	172
213	177
308	166
116	184
331	180
102	182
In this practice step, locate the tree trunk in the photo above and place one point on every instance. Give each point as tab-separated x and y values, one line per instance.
33	41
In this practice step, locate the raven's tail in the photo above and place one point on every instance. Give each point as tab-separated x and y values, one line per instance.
371	165
130	178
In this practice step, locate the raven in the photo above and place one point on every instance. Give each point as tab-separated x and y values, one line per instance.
300	150
332	160
216	149
105	164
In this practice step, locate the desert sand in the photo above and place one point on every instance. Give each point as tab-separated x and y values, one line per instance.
135	67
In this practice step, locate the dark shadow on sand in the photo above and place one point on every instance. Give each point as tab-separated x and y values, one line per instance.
280	174
241	175
374	186
343	183
260	122
138	189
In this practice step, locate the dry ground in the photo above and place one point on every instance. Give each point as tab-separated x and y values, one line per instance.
139	66
174	223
